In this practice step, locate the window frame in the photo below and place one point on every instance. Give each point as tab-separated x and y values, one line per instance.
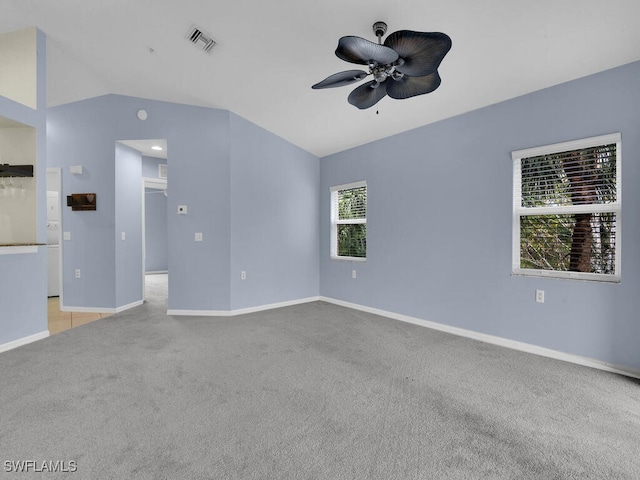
352	221
519	210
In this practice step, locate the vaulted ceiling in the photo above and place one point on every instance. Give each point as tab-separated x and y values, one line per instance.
269	53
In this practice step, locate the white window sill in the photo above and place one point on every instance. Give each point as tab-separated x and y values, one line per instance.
349	259
592	277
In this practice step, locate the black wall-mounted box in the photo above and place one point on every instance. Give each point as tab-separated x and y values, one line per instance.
81	201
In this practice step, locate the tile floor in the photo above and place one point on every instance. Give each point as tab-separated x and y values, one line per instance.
61	321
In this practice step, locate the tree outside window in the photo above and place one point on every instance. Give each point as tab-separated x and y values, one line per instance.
567	211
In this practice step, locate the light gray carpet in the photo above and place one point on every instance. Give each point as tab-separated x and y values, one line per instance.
313	391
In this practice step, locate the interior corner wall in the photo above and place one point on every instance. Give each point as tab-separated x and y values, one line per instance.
274	218
23	277
128	230
84	133
439	222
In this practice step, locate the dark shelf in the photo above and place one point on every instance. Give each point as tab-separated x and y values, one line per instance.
22	244
16	170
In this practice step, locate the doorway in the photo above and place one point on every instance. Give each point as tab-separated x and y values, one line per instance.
154	198
54	222
155	258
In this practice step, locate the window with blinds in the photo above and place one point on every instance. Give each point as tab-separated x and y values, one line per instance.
349	221
567	206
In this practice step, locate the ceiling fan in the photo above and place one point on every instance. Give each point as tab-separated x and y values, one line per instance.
405	66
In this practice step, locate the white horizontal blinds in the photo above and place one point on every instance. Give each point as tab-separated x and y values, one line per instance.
576	177
567	208
352	205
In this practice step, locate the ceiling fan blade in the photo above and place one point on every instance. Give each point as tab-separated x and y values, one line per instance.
341	78
359	50
422	52
366	96
407	86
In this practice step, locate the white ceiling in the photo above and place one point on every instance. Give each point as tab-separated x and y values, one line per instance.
269	53
145	147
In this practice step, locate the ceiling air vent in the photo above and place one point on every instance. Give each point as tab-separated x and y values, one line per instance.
200	39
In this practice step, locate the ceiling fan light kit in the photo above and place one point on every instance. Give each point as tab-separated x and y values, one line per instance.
405	66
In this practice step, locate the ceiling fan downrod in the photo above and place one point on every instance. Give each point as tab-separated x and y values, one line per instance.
379	29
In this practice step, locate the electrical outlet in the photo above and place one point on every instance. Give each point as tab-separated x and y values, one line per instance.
540	296
182	209
77	273
243	275
198	236
66	235
353	274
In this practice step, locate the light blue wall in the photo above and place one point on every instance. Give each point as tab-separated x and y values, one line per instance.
439	222
240	183
440	216
74	138
150	166
274	218
23	278
129	276
155	213
85	133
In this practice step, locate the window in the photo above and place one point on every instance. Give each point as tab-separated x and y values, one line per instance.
349	221
567	206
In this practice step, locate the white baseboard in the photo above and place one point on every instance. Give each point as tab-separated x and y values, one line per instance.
131	305
500	341
100	309
73	309
156	272
200	313
260	308
241	311
23	341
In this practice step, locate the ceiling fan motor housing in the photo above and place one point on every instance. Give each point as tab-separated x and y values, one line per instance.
379	29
